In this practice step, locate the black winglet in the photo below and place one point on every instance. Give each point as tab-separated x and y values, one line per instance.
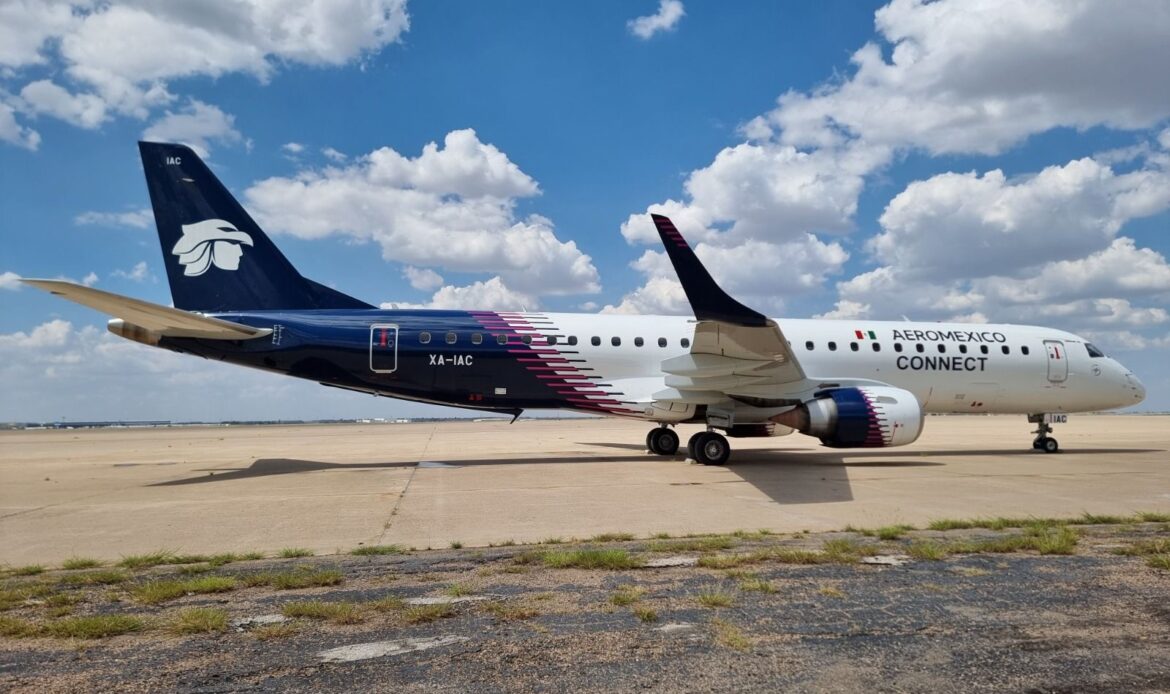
708	300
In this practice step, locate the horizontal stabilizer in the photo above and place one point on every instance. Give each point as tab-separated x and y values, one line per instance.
162	320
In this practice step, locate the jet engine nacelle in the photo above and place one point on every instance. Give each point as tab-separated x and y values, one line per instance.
865	417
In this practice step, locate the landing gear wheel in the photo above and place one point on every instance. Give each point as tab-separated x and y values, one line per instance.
711	448
692	443
662	441
1049	445
1043	442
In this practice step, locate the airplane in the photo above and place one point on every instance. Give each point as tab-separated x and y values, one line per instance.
850	383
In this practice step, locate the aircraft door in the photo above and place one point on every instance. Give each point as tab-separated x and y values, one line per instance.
383	348
1057	361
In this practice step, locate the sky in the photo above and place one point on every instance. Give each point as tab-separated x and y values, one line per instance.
977	161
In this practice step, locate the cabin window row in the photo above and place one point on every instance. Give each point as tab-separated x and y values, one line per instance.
451	338
918	347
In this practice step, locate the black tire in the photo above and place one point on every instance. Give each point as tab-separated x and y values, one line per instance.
663	441
1038	444
650	441
691	445
1050	445
712	449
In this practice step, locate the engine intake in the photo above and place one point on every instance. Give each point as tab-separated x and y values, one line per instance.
865	417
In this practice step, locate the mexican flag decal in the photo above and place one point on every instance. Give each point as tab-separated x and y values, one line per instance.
865	334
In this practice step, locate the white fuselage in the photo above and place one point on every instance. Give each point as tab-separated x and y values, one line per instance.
949	367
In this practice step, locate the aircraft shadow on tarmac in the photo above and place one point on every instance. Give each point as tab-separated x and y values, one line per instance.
267	467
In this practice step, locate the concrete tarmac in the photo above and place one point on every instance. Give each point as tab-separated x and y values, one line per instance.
111	492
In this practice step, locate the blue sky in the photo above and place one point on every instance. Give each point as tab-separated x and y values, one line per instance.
976	161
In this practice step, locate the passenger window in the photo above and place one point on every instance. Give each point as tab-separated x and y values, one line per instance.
615	341
897	346
809	345
1024	350
527	339
595	341
424	337
662	342
832	346
572	340
877	346
942	349
1006	349
638	342
476	338
451	337
962	349
685	342
983	349
552	339
919	347
853	346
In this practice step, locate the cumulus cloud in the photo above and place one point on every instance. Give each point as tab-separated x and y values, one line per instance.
197	125
139	273
666	18
122	58
451	207
425	279
10	281
138	219
489	295
14	133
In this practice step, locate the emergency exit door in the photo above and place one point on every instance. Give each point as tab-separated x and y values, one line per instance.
1057	361
383	348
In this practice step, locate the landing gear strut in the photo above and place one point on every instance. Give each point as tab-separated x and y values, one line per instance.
708	448
1043	442
662	441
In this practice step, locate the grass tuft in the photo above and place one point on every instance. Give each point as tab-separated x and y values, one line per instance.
103	577
758	585
645	614
94	626
378	550
729	635
928	550
1152	517
275	631
716	597
422	614
612	537
627	595
160	557
294	553
832	592
508	612
154	592
614	559
295	579
30	570
73	563
335	612
456	544
1158	561
199	620
893	532
802	556
694	544
390	603
14	628
1102	519
1142	548
458	590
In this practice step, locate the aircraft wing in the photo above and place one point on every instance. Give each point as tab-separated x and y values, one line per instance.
737	353
163	320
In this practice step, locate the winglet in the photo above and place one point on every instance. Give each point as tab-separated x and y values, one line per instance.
708	300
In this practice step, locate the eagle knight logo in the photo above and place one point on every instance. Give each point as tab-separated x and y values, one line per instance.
210	242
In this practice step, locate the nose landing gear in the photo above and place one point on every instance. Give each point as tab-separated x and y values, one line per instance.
1044	422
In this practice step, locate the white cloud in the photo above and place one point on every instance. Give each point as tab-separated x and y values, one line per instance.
14	133
668	16
489	295
10	281
90	279
293	148
139	273
197	125
333	155
139	219
120	58
45	97
425	279
981	75
658	296
450	207
51	334
971	226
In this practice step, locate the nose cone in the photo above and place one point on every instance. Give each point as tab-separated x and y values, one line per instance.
1139	391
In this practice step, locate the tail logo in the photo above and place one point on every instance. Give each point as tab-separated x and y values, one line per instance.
210	242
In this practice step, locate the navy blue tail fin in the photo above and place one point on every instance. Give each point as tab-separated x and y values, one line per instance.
217	258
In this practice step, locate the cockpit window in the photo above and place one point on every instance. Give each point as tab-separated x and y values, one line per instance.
1093	351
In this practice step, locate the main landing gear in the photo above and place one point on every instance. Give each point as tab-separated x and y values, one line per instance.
708	448
662	441
1044	442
